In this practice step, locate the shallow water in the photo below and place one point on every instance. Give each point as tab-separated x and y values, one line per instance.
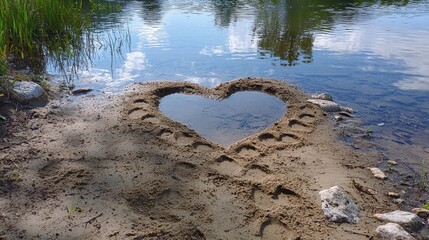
226	121
371	55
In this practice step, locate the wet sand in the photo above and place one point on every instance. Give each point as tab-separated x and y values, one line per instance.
114	167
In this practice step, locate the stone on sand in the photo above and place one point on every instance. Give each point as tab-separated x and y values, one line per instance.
378	173
409	221
328	106
392	231
27	91
338	206
323	96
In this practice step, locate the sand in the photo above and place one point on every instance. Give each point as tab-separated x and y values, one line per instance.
114	167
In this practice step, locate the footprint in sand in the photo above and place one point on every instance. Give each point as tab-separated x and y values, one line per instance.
183	138
184	171
307	118
268	139
136	113
166	134
274	229
150	118
140	101
300	126
201	147
281	197
227	166
256	172
289	139
247	151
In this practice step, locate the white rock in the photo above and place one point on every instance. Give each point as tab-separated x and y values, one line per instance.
409	221
338	207
326	105
27	91
392	231
393	195
392	162
323	96
377	173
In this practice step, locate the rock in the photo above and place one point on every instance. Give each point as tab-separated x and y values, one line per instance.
409	221
81	91
346	109
338	207
377	173
326	105
393	195
346	114
338	118
392	231
323	96
421	212
391	162
27	91
399	201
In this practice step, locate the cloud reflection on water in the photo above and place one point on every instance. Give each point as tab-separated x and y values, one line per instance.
377	36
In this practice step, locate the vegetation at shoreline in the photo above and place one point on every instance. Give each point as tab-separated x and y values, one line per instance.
35	33
32	29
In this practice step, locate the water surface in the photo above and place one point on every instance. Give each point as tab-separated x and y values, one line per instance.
224	121
371	55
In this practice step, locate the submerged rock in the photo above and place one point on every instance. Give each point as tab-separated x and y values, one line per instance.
378	173
346	109
338	207
409	221
392	231
27	91
80	91
326	105
323	96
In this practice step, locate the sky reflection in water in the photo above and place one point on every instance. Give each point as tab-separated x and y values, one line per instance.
371	56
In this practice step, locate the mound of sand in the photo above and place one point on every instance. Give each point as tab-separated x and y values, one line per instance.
114	167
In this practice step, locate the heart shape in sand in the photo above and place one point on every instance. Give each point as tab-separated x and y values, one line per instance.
224	121
243	107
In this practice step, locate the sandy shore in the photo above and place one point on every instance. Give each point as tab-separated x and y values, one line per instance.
113	167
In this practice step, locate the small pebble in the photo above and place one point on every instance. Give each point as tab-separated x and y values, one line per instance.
399	200
391	162
393	195
378	173
421	212
347	109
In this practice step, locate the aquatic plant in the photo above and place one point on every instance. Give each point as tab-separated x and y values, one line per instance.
3	67
31	28
35	33
423	181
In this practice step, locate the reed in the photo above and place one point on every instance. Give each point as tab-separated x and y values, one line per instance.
30	28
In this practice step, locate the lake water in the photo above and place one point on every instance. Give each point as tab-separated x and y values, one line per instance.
372	56
227	121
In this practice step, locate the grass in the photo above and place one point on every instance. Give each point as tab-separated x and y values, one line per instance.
28	28
423	181
33	32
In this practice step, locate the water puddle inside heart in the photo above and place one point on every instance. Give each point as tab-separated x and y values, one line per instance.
225	121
